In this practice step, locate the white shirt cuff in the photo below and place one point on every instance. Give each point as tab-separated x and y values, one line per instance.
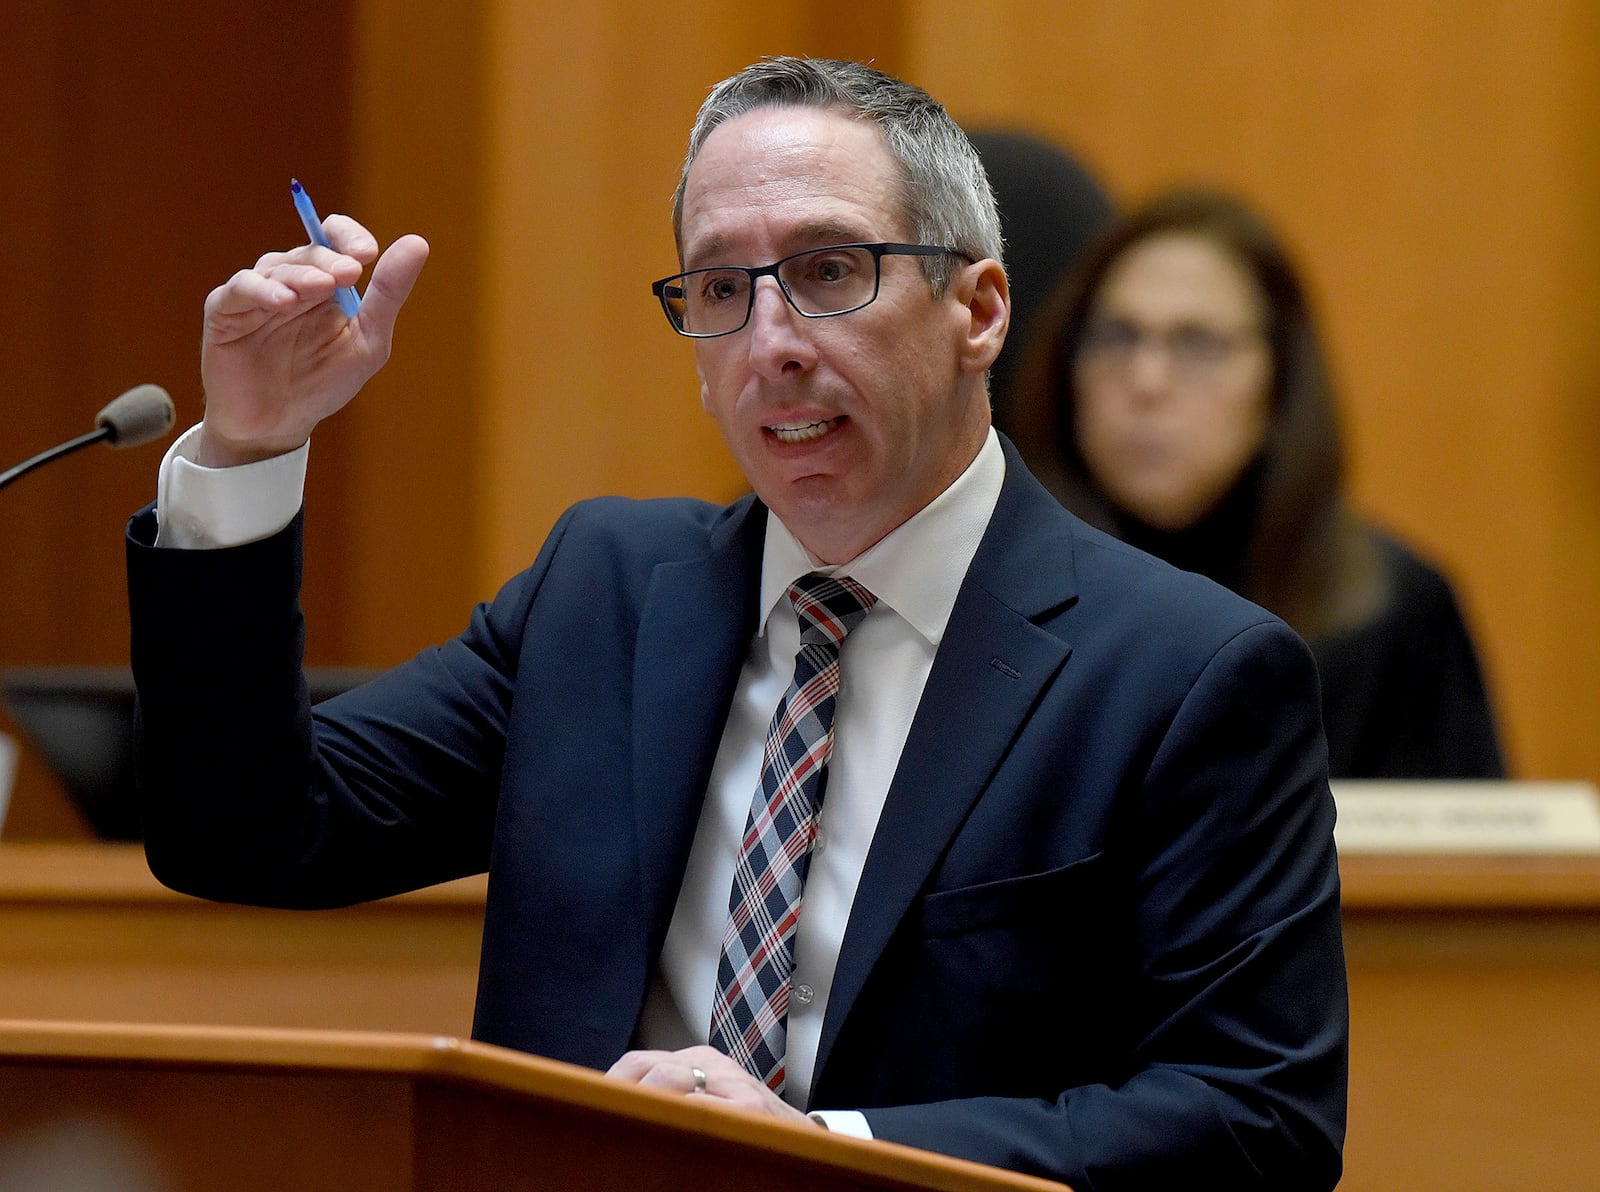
199	508
848	1122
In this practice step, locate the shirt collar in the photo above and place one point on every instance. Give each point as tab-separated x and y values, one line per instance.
918	567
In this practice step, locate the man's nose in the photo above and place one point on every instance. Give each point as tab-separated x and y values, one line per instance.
779	338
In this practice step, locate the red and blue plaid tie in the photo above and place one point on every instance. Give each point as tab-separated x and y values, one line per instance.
749	1020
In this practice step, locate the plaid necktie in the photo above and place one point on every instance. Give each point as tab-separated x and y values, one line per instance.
749	1020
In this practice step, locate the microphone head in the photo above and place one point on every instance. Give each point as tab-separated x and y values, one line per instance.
143	413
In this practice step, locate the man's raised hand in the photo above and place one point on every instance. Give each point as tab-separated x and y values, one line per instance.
278	355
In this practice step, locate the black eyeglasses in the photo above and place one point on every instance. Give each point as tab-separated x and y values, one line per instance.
1195	351
819	283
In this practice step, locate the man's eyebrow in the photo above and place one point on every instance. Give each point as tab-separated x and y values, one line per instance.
707	248
817	235
830	232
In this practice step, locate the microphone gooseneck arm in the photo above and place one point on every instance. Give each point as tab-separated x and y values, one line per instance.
56	452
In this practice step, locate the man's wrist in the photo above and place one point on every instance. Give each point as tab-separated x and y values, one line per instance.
849	1122
215	450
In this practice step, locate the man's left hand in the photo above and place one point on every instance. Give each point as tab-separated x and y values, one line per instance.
724	1081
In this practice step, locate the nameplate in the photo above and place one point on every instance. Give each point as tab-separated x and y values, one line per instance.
1467	817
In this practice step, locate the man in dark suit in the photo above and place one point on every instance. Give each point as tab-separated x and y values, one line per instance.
1071	903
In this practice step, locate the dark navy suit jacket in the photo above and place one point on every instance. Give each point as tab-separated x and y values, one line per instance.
1097	936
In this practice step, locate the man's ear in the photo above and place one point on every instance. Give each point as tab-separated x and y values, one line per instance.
985	297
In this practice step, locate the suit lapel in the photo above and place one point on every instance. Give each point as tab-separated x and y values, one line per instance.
991	666
695	629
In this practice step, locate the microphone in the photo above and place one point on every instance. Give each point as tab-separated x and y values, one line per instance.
141	415
138	416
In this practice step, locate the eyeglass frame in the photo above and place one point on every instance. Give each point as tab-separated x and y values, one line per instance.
1223	346
878	250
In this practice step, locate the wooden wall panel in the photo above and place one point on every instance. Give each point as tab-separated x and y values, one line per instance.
411	449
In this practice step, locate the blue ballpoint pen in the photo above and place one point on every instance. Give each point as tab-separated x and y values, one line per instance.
349	301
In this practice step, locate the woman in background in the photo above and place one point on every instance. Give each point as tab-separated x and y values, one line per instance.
1174	393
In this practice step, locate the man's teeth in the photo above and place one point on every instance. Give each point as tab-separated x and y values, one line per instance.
800	432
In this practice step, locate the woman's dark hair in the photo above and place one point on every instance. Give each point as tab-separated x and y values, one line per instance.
1305	559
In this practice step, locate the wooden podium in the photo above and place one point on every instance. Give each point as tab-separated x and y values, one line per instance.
221	1109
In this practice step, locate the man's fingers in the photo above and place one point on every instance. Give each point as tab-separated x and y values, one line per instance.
247	290
309	274
351	238
393	277
699	1070
278	273
344	264
673	1070
633	1065
703	1071
286	285
274	291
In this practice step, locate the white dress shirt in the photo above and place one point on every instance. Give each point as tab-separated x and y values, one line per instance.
915	572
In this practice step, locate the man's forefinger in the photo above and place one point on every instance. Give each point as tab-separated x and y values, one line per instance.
350	237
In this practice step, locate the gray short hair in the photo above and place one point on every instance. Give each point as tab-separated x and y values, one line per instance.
946	193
